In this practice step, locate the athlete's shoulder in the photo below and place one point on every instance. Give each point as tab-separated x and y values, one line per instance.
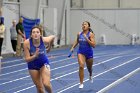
43	38
92	33
26	44
79	33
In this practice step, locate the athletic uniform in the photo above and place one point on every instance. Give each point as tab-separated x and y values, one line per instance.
84	47
42	58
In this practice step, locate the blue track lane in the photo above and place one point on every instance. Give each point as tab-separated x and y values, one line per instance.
132	85
110	64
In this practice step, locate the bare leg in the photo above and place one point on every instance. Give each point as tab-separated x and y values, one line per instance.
45	74
81	61
89	64
35	75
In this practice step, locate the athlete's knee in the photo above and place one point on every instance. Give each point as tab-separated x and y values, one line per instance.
89	67
40	88
90	70
46	83
81	66
47	86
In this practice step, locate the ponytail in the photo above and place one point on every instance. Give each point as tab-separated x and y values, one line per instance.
90	30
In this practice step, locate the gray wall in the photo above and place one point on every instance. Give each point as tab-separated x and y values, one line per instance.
10	12
100	4
116	25
50	22
29	8
126	20
59	5
105	4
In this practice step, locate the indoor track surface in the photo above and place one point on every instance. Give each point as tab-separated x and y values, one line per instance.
111	65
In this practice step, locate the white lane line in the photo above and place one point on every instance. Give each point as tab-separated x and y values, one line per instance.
13	72
100	74
14	80
22	59
118	53
49	56
122	52
26	63
50	63
69	73
105	89
14	88
72	64
28	75
68	65
60	60
25	89
27	68
5	62
125	52
12	66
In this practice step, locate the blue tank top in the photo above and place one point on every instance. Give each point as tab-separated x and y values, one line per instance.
42	57
84	46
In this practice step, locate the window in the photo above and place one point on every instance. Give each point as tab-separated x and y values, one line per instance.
130	3
100	4
105	4
13	0
76	3
44	2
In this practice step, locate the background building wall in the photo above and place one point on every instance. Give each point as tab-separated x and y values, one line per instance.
116	25
10	12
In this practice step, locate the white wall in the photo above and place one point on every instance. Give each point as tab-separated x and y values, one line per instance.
76	3
29	8
59	5
50	22
124	20
10	12
130	3
100	4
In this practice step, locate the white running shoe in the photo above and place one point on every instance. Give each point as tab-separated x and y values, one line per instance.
81	86
91	79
